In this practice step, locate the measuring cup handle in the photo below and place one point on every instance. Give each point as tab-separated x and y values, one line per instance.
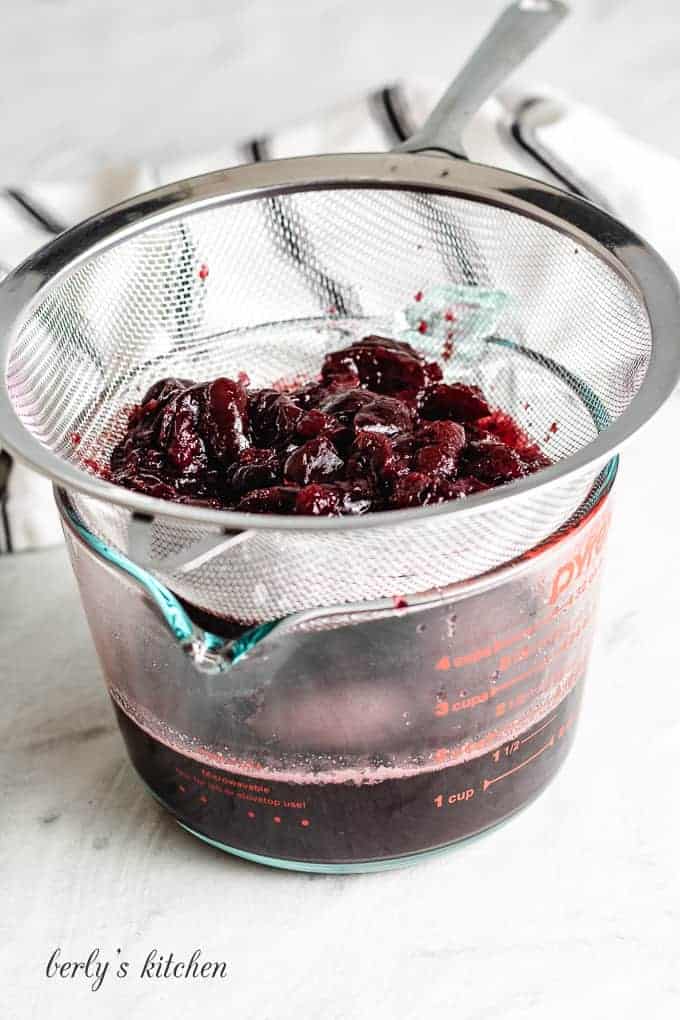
510	40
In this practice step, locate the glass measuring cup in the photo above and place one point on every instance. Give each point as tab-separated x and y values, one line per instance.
365	737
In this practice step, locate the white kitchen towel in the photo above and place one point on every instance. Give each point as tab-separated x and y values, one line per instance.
637	181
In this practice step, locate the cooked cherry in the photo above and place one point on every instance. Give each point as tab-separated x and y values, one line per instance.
313	423
379	459
384	414
413	489
317	423
345	404
383	365
256	469
492	462
315	461
163	389
311	394
225	419
437	462
319	500
455	401
446	489
378	431
279	499
181	424
441	433
274	416
332	500
534	458
441	443
505	428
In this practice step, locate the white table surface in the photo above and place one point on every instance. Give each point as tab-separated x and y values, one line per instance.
572	909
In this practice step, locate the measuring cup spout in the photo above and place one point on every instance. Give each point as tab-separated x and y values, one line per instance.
208	652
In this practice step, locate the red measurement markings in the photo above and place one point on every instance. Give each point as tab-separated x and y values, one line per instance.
500	643
527	651
443	708
489	782
504	641
495	646
557	684
249	785
453	798
565	727
567	679
540	729
508	751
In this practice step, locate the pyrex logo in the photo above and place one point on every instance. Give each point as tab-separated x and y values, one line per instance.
570	571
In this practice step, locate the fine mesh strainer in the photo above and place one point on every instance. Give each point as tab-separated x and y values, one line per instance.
263	269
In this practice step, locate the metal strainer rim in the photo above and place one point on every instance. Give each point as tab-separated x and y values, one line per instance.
607	238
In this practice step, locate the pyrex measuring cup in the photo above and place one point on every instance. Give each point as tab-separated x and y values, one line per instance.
377	736
334	693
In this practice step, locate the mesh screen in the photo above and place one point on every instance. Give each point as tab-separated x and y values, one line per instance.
267	286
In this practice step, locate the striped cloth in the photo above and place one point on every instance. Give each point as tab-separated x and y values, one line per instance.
637	181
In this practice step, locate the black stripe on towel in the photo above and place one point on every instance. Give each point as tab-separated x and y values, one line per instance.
5	470
291	232
258	150
390	105
37	213
520	137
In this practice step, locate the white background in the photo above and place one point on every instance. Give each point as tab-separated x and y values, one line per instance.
86	80
573	909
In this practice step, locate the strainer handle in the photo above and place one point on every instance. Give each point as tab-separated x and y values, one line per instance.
510	40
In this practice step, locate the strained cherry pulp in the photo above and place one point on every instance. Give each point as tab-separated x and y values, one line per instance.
379	430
